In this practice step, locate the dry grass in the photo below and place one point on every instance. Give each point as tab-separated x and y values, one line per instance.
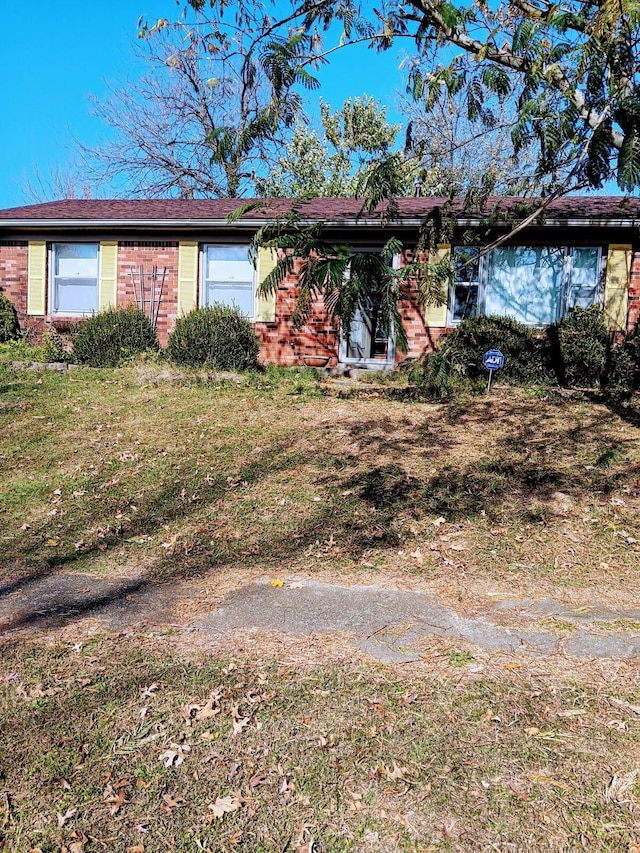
208	484
118	473
125	744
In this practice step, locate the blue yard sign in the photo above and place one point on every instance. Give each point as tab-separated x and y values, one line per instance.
492	360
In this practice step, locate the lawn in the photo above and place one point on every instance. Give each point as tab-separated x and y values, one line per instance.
146	742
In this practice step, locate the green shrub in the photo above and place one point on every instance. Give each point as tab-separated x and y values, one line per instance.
19	350
217	337
458	362
53	346
113	336
9	325
622	370
579	346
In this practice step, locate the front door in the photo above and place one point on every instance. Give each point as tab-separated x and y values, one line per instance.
367	344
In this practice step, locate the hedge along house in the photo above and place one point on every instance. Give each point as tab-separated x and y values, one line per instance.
62	261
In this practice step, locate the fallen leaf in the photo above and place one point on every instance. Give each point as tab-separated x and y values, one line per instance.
209	709
620	789
238	725
624	704
171	802
541	779
225	805
208	736
277	582
175	755
63	818
394	773
117	801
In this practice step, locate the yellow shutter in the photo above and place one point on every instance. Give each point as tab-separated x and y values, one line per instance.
616	289
37	278
265	305
108	278
187	277
435	316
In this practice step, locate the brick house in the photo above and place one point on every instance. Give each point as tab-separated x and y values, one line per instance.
64	260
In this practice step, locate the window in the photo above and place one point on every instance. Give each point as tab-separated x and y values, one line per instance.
229	278
74	278
467	284
535	285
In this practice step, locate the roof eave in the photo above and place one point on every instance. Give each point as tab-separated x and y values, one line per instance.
253	224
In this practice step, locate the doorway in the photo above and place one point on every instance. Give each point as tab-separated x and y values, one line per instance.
366	343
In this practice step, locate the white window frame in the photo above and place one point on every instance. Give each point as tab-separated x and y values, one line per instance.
52	279
203	280
483	272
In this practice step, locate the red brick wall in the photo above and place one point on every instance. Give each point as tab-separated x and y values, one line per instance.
13	275
134	254
420	337
131	255
282	344
320	334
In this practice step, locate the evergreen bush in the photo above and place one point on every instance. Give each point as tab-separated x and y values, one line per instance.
459	361
9	325
113	336
53	346
579	346
622	370
216	336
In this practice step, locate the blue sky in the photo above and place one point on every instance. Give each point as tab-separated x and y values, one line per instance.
57	54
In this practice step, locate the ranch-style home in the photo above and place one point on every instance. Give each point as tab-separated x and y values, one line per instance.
65	260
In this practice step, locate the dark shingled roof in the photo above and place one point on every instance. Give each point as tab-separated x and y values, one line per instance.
329	209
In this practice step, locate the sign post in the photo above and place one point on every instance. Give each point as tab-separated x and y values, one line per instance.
492	360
